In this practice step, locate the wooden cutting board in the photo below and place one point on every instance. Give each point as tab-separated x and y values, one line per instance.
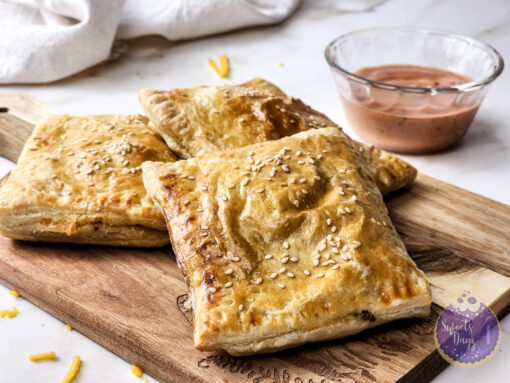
132	301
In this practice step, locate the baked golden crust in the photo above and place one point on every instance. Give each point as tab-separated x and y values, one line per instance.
78	179
206	119
285	242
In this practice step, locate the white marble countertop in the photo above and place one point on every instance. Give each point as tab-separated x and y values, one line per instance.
480	163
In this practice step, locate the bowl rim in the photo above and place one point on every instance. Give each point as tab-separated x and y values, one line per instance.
464	87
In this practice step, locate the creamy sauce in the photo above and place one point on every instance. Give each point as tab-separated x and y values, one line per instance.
409	122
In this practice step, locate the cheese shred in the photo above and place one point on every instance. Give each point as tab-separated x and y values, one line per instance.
223	70
9	313
73	370
14	293
68	327
136	370
42	356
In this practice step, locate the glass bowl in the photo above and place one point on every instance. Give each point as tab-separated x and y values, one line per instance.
411	119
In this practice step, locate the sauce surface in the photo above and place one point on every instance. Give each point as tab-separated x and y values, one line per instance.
406	121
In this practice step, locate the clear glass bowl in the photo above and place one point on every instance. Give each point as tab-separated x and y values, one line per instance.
411	119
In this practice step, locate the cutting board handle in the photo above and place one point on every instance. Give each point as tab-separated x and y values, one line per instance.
18	115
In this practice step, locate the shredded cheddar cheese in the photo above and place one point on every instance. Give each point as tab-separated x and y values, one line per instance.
14	293
68	327
281	65
136	370
9	313
42	356
223	70
73	370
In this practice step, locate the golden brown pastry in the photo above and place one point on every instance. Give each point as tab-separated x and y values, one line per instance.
78	179
285	242
206	119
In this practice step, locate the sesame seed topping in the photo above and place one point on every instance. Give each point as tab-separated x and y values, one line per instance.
187	202
258	281
224	198
355	244
212	290
235	166
354	197
204	234
299	152
333	229
292	180
229	271
306	272
236	259
294	259
295	203
348	210
319	156
340	211
316	262
290	275
204	188
282	270
334	250
285	259
286	245
191	178
241	307
268	256
251	153
228	284
317	178
322	247
261	190
328	221
245	181
341	190
285	168
302	180
345	248
320	275
311	160
301	162
281	285
335	267
273	276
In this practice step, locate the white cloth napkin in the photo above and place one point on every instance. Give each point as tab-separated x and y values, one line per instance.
46	40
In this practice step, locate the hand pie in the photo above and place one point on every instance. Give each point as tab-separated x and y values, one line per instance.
78	179
206	119
285	242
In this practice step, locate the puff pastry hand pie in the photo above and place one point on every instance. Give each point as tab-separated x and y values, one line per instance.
78	179
285	242
206	119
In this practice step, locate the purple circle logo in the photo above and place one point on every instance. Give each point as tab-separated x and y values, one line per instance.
468	334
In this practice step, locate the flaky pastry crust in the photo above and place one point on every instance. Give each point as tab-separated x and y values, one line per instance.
78	179
206	119
285	242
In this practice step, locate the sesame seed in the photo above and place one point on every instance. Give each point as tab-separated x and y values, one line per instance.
306	272
285	168
335	267
258	281
290	275
328	221
228	284
341	190
212	290
245	181
187	202
322	247
316	262
273	276
241	307
320	275
90	171
292	180
294	259
317	178
236	259
295	203
311	160
282	270
341	171
299	152
301	162
235	166
205	227
319	156
261	190
281	285
286	245
325	263
268	256
302	180
204	234
285	259
340	211
348	210
334	250
355	244
345	248
224	198
200	209
66	192
204	188
229	271
231	186
354	197
333	229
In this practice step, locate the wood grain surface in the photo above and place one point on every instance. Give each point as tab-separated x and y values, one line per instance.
132	301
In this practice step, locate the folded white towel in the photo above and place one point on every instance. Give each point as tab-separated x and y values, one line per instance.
46	40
